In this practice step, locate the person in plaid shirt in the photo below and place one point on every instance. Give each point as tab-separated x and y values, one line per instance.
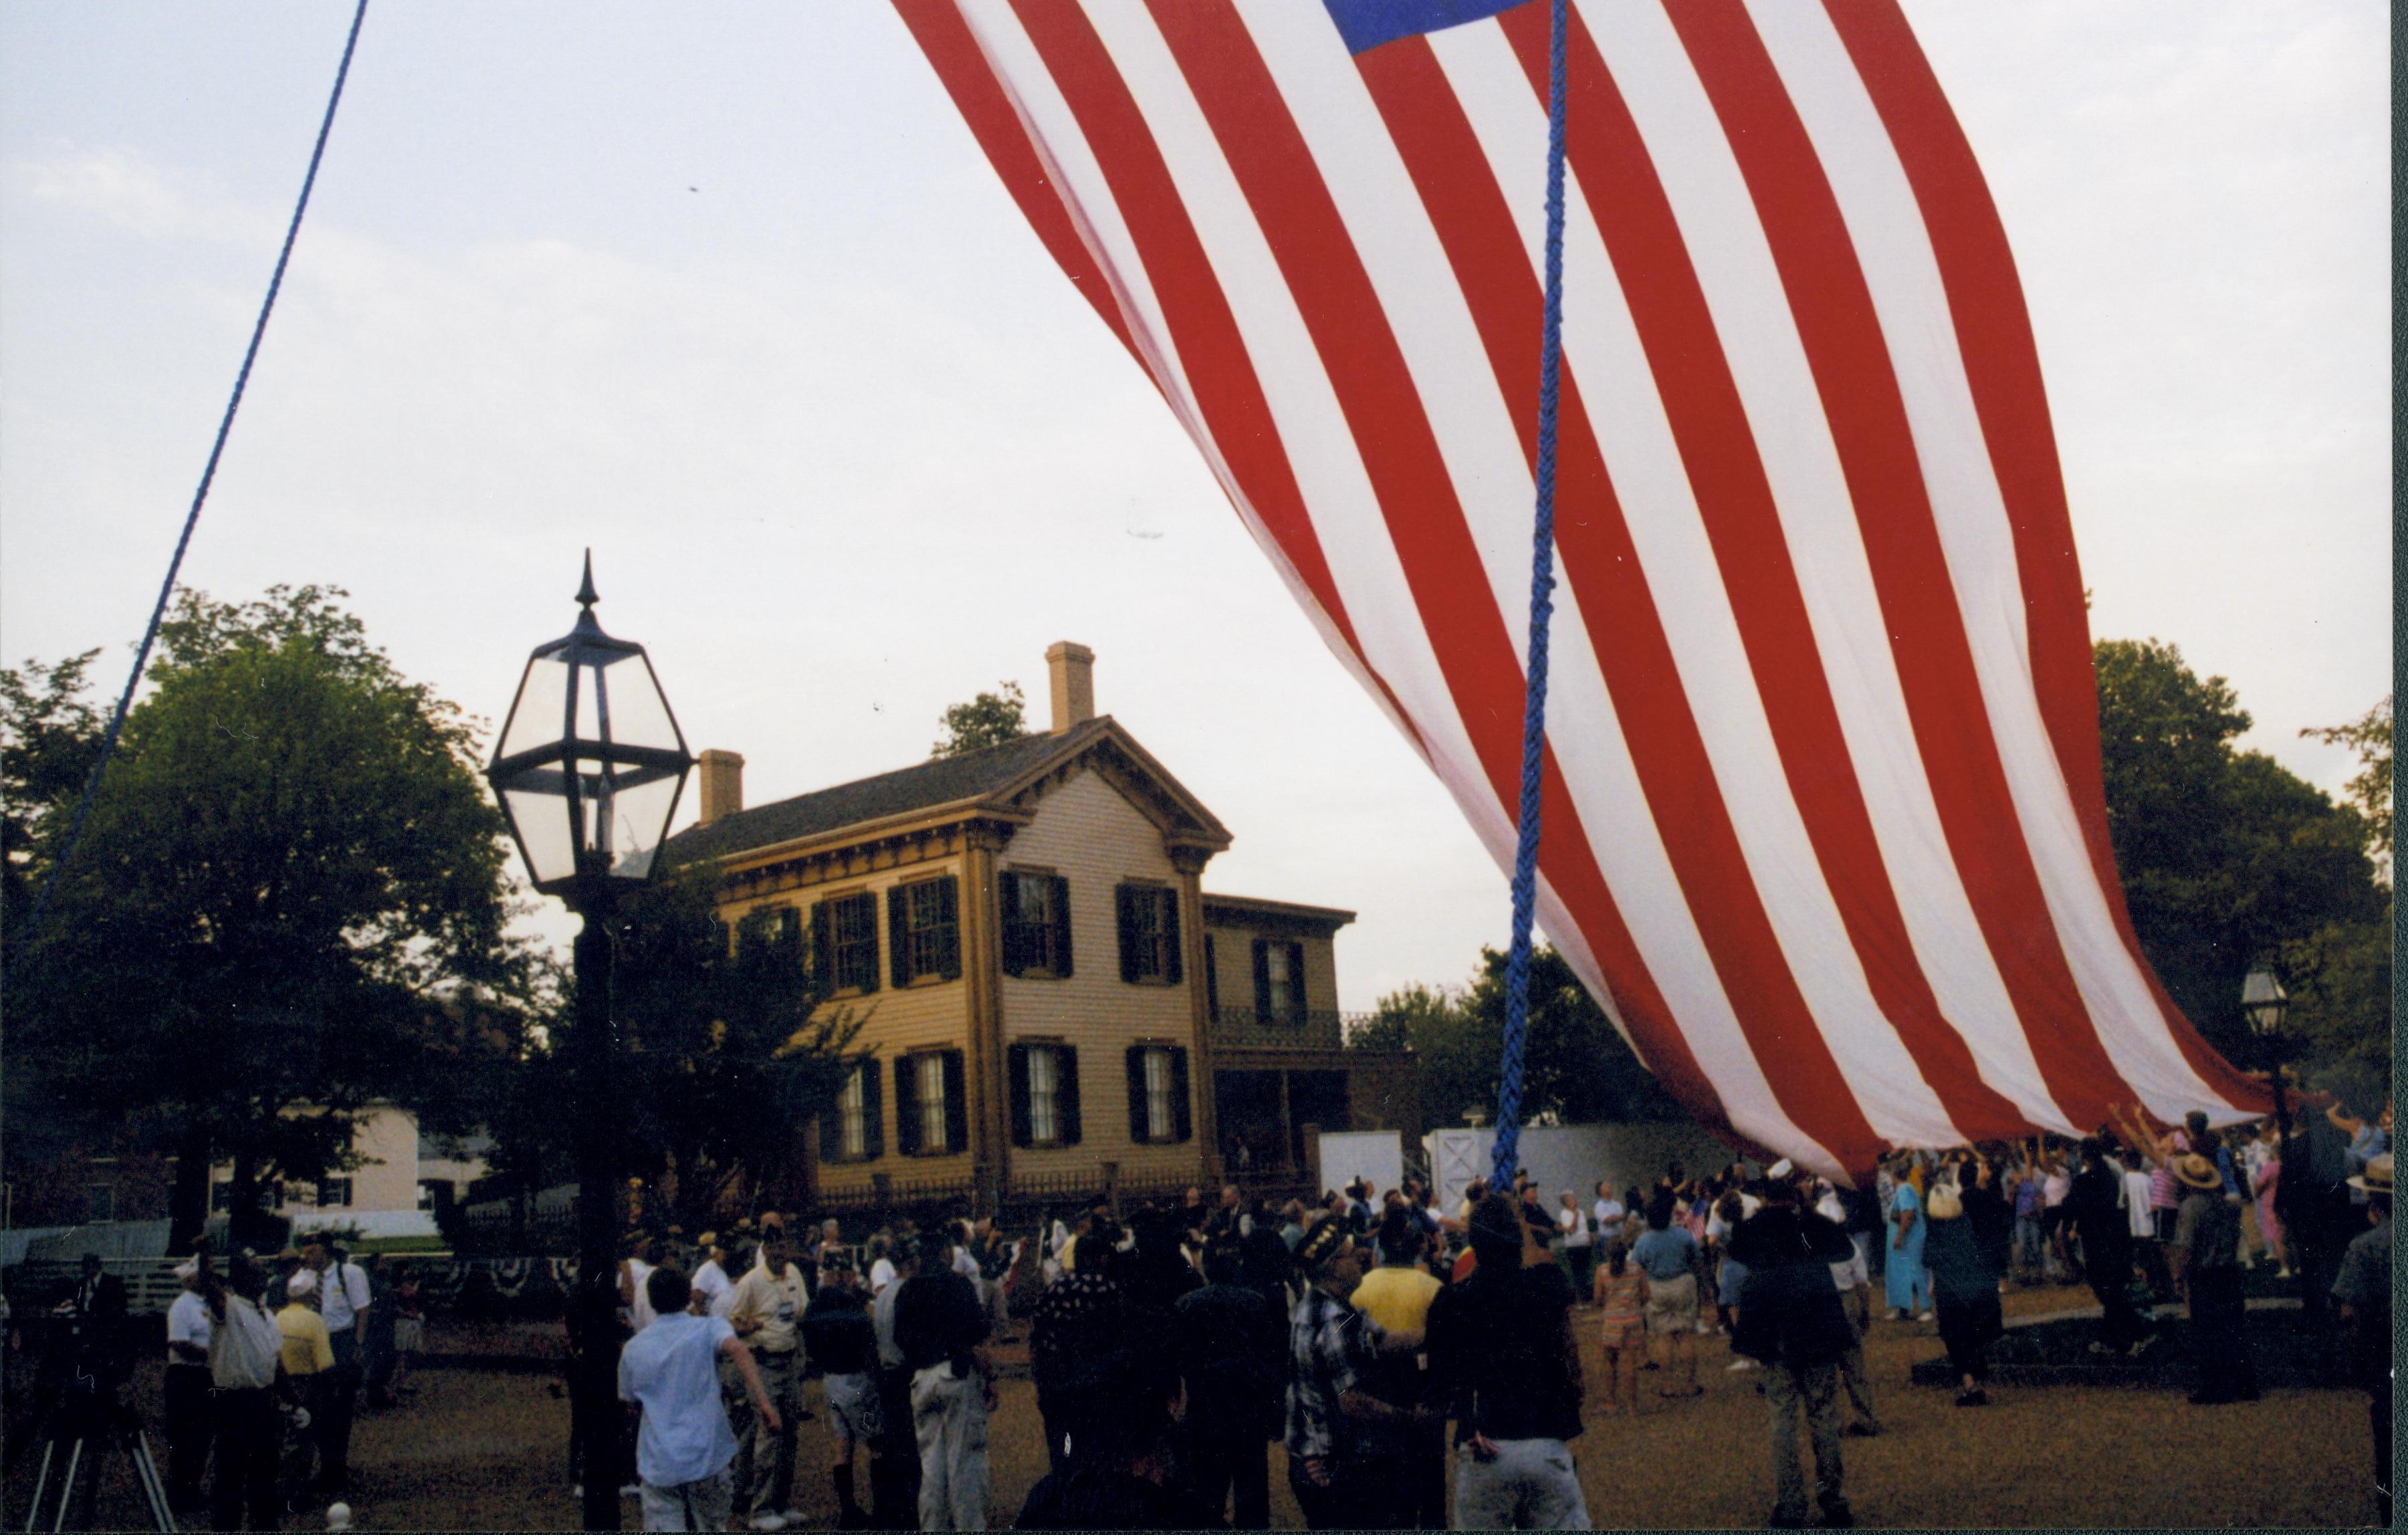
1331	1420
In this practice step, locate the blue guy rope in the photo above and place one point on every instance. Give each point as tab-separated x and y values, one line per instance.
208	473
1543	584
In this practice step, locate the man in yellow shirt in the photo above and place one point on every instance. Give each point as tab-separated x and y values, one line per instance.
308	1356
1397	1295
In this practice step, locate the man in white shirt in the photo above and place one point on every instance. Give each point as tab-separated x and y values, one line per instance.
768	1307
344	1300
683	1451
245	1350
711	1281
633	1269
186	1393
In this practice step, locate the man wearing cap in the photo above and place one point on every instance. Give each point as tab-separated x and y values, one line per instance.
310	1364
1332	1463
1504	1365
768	1307
1791	1321
2204	1257
2363	1292
186	1391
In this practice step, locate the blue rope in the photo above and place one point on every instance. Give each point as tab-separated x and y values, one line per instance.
193	518
1542	585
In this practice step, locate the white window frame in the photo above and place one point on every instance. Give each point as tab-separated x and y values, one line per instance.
852	1116
928	1089
1161	1111
1044	1095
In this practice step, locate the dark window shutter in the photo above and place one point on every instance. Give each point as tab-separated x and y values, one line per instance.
1124	899
907	1105
1066	1061
1016	1069
898	940
1007	900
949	911
823	946
1137	1095
1061	925
873	1109
1182	1121
1263	980
1211	979
957	1109
1174	960
790	930
1296	981
832	1133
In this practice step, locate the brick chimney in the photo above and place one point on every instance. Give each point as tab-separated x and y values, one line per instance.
721	774
1072	668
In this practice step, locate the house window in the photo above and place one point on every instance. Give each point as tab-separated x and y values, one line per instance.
924	925
853	1118
929	1087
100	1201
931	1113
1149	925
1157	1089
1044	1095
333	1193
1278	980
844	939
1036	925
851	1131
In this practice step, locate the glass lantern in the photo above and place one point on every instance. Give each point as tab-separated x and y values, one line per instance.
2264	1000
591	761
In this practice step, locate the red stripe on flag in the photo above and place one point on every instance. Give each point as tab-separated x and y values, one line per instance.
1601	559
1986	303
1854	376
1210	351
1341	306
961	66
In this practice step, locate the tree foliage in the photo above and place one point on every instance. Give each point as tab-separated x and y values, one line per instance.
2227	858
2370	790
1576	1068
289	901
729	1051
49	737
990	718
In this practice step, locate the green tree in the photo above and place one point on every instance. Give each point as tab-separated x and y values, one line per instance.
729	1051
987	720
289	902
2369	791
50	737
2340	975
1576	1068
2225	856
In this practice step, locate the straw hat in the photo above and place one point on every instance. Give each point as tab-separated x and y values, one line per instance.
2198	1172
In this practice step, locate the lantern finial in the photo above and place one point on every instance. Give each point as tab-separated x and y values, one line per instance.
585	593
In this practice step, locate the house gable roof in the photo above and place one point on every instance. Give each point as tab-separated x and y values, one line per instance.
1005	780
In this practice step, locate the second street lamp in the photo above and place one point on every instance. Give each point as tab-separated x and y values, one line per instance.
589	770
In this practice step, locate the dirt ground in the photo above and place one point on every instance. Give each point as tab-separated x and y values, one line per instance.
480	1449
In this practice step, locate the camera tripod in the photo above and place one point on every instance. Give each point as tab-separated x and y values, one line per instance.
90	1428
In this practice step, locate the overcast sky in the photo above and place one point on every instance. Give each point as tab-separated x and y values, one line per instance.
728	292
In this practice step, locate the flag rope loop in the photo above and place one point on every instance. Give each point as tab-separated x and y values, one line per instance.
208	473
1542	583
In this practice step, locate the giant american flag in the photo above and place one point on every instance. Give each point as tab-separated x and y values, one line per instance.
1824	823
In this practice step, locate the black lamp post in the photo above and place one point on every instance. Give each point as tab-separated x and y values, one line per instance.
2263	1001
589	770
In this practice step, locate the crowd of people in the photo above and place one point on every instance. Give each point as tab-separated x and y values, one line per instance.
1379	1335
1381	1338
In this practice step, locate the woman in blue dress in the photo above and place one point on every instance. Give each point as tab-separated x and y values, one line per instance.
1907	1282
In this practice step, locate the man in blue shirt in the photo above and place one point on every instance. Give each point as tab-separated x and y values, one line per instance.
1668	1255
673	1368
